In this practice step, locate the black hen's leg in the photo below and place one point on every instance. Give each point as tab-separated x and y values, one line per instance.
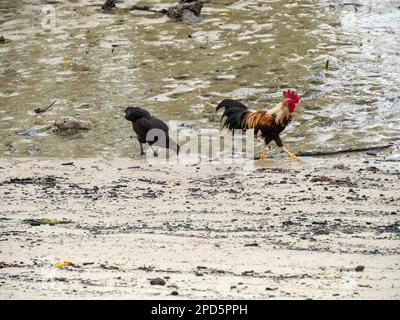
154	152
141	149
233	142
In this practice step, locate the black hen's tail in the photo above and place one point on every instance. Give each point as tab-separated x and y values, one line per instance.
234	114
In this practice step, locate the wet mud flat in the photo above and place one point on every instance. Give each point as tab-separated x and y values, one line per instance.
124	228
340	56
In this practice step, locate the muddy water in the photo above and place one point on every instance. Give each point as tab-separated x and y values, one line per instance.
95	64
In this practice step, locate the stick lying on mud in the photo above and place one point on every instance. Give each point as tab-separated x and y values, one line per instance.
126	138
148	9
184	11
332	152
40	110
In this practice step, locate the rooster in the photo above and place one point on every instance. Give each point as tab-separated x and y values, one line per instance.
267	123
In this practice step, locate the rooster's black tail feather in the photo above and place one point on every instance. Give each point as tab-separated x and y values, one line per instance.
234	113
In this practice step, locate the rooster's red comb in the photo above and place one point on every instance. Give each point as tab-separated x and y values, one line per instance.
291	95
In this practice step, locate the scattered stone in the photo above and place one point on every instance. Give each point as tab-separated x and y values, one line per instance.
67	164
27	132
30	149
47	181
146	268
321	179
340	166
270	289
50	222
71	125
80	67
352	268
288	223
103	266
157	282
61	279
187	11
254	244
10	265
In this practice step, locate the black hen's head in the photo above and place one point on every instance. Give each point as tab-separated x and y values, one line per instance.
135	113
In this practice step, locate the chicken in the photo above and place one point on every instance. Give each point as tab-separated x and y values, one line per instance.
150	130
267	123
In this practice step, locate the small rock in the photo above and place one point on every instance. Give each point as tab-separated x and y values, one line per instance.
270	289
80	67
103	266
157	282
360	268
254	244
340	166
67	164
321	179
70	125
352	268
27	132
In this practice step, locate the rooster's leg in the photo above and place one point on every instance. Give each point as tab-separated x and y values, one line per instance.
292	156
261	155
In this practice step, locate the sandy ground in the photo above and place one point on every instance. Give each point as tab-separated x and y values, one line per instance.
281	230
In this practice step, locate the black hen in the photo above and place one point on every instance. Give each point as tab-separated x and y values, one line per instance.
150	130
